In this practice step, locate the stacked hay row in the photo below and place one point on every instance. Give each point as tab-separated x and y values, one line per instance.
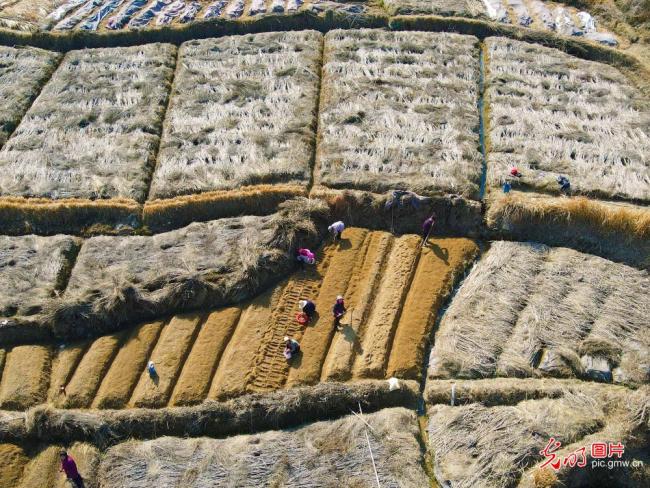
95	128
168	357
33	270
498	323
337	456
25	15
23	71
65	362
87	377
398	110
25	377
213	263
12	463
242	113
120	380
614	230
551	114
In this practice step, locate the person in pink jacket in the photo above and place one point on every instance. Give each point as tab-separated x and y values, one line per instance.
69	467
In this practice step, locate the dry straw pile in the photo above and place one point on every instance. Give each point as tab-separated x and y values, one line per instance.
22	73
93	131
32	271
398	110
551	114
25	15
331	453
242	113
203	264
530	310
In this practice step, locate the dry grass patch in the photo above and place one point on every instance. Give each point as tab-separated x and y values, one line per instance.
456	8
23	71
25	377
398	110
42	469
331	453
551	114
25	15
204	264
94	129
242	113
530	310
33	270
120	380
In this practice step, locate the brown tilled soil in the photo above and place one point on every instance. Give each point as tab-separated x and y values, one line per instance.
393	290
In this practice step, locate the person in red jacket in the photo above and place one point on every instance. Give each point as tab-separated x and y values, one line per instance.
70	468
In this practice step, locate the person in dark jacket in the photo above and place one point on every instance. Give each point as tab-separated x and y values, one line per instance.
427	225
339	311
307	307
69	467
565	185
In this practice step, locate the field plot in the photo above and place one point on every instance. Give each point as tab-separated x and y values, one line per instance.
393	290
456	8
398	110
38	467
551	114
93	130
204	264
33	270
25	377
242	113
475	445
530	310
25	15
337	456
23	71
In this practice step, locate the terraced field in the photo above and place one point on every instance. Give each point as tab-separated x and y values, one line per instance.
393	290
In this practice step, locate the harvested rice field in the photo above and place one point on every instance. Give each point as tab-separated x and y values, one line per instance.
552	115
393	290
33	270
94	130
528	310
499	445
242	113
333	453
23	72
399	110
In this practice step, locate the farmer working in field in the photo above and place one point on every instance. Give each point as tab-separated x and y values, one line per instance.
507	187
427	226
70	468
336	229
308	308
291	347
305	256
338	311
564	183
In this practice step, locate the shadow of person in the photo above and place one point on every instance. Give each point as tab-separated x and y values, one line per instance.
343	243
351	336
440	252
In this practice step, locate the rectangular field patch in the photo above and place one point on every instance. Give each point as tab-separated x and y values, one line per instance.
552	115
399	110
23	71
93	131
242	113
25	378
530	310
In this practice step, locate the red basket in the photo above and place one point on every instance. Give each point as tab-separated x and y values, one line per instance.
302	318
